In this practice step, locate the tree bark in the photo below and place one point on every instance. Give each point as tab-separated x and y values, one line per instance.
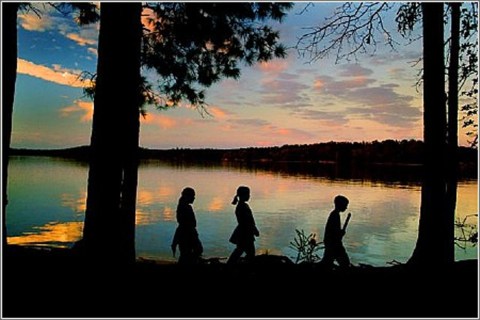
434	241
9	77
452	178
109	230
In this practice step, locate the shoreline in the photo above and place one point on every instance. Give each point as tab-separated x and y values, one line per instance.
40	284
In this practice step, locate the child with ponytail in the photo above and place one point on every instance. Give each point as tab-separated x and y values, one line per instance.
245	232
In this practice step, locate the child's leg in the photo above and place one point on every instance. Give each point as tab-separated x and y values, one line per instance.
328	257
342	257
235	256
250	251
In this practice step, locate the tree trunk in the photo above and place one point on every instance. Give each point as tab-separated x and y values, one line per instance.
434	241
9	76
452	178
109	231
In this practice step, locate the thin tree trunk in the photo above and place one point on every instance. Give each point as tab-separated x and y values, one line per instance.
433	243
112	183
452	179
9	76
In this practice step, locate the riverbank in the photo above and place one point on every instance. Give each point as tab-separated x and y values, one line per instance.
54	283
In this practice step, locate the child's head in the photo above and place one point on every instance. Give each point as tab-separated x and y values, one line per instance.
341	203
188	195
243	194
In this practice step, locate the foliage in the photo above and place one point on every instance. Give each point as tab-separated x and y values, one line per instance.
193	45
468	232
358	28
306	247
408	16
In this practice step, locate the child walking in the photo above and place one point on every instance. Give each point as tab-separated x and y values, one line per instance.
334	249
244	234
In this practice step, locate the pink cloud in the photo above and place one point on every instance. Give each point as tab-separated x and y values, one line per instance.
83	107
274	66
161	121
217	112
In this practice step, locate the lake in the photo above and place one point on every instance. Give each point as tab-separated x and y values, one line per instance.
47	200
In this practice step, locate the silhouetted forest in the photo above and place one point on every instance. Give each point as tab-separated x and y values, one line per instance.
382	152
401	158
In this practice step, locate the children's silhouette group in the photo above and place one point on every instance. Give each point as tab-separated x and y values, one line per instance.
186	237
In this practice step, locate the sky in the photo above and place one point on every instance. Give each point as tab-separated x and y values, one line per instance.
284	101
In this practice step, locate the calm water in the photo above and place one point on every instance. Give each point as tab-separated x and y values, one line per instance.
47	206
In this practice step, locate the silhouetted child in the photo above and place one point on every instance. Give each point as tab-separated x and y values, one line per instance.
244	234
334	249
186	235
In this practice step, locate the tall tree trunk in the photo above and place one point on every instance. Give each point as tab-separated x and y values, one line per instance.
452	178
9	76
109	230
434	241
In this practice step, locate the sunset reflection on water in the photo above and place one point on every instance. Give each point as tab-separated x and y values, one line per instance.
383	226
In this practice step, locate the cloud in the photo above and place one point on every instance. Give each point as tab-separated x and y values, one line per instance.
274	66
161	121
32	22
80	40
56	74
354	70
93	51
384	105
287	93
249	122
217	112
331	118
339	88
85	108
283	135
378	103
405	56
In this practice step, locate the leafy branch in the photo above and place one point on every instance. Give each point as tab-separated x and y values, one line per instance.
306	247
468	232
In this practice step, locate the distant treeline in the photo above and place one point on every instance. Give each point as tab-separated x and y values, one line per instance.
404	152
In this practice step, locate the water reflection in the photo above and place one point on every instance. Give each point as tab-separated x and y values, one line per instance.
52	234
383	226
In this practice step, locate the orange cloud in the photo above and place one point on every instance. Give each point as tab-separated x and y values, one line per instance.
284	132
56	74
217	112
318	84
86	107
163	122
359	81
274	66
82	41
32	22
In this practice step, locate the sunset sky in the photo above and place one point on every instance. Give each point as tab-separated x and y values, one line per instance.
285	101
